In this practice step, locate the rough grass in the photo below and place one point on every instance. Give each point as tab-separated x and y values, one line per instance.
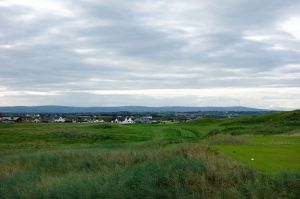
225	139
192	171
199	159
51	135
274	123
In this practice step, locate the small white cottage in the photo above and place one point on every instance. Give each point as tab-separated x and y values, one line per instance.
60	120
123	120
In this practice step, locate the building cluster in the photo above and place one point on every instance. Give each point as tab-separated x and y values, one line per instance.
48	119
118	119
134	120
146	119
10	119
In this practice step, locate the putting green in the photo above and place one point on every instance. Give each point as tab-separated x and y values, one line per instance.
267	153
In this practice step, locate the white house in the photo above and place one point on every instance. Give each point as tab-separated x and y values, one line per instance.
36	120
128	121
120	120
60	120
116	121
96	121
143	119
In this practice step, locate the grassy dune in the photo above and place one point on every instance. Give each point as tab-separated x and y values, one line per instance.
200	159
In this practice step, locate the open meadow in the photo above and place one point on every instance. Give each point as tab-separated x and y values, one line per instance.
247	157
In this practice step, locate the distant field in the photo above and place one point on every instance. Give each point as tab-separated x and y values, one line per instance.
207	158
47	135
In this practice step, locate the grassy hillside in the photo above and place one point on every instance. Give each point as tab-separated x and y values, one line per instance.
50	134
249	157
273	123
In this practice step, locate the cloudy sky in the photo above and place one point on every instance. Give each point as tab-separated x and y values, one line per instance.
150	52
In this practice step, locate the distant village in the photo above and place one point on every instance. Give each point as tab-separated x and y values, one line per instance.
83	119
121	118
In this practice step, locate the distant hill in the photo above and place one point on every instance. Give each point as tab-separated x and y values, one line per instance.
133	109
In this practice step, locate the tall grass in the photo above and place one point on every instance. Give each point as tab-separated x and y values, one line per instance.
149	171
226	139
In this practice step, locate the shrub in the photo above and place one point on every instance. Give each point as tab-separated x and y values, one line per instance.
214	132
227	140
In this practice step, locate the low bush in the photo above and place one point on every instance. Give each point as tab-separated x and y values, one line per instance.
226	139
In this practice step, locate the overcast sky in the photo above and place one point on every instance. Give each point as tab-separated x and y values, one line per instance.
153	53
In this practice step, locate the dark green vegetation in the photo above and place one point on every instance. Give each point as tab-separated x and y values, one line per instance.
200	159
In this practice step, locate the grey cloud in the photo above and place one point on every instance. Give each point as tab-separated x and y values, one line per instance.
147	45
